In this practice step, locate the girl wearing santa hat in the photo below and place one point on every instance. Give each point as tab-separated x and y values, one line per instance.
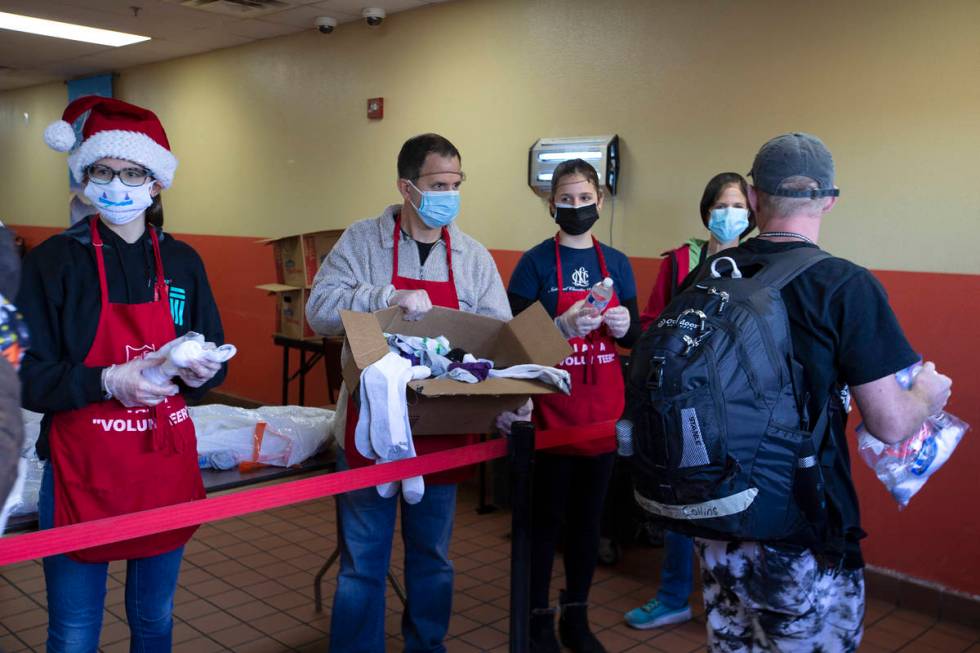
99	300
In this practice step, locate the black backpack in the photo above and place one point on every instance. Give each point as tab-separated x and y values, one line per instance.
721	437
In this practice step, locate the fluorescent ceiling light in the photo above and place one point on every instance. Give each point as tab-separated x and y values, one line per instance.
565	156
68	31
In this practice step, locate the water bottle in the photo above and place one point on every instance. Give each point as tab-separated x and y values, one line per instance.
600	295
624	438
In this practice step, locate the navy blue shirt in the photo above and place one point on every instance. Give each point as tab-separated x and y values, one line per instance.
535	277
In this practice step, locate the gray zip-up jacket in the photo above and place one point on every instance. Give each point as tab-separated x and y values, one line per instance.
356	276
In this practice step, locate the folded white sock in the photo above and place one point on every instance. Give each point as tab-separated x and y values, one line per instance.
556	378
180	352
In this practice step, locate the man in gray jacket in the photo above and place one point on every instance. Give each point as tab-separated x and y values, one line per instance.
413	256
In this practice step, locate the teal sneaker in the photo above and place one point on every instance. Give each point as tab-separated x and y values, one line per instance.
655	614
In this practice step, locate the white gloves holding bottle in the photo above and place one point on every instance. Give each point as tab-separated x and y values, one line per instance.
617	320
581	319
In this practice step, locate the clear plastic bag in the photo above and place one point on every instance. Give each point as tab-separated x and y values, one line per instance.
24	501
905	467
291	434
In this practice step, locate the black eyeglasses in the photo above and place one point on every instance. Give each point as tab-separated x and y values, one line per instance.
101	174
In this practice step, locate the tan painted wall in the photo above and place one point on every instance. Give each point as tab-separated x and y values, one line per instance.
273	137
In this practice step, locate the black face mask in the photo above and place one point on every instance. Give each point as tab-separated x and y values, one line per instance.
576	221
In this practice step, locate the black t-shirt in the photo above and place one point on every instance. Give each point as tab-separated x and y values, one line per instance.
844	333
424	250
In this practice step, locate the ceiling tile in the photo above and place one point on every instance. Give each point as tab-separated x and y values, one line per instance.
81	15
210	38
354	7
303	16
31	51
260	29
142	53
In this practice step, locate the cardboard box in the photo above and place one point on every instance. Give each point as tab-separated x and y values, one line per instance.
445	406
298	257
290	311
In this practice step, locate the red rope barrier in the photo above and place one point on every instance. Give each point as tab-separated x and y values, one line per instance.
157	520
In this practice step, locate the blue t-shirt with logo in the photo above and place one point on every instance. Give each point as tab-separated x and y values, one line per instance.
535	275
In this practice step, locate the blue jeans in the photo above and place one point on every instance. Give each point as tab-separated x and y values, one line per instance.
677	574
77	590
366	527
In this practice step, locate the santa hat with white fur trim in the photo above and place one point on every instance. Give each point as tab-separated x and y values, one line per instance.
94	127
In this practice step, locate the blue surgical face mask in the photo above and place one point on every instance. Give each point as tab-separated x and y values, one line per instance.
727	224
437	208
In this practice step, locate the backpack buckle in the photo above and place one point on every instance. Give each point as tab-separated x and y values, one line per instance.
722	294
655	379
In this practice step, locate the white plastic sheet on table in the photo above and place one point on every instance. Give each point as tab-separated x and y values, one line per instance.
292	433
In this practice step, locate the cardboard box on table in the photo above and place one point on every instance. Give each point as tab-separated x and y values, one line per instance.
290	311
445	406
298	258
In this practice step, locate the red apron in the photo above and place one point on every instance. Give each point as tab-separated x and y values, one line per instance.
598	393
110	460
441	293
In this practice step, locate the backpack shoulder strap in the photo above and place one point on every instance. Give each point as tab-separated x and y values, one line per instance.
672	255
779	269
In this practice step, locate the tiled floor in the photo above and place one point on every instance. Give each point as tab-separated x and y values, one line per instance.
246	586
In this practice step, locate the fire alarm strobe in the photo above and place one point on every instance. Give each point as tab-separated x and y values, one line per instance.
376	108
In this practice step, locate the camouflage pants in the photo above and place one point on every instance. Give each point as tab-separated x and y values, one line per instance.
764	598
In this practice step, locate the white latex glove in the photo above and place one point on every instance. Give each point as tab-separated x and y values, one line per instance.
617	319
415	303
578	321
128	385
198	372
506	419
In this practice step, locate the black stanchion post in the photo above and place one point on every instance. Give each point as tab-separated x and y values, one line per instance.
522	468
484	508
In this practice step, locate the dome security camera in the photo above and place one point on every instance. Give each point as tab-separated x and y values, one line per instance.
374	16
325	24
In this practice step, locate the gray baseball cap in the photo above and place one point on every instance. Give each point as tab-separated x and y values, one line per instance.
791	155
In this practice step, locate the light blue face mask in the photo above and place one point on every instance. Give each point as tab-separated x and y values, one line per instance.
437	208
727	224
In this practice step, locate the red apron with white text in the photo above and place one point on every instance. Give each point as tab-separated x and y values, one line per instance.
441	293
111	460
598	393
